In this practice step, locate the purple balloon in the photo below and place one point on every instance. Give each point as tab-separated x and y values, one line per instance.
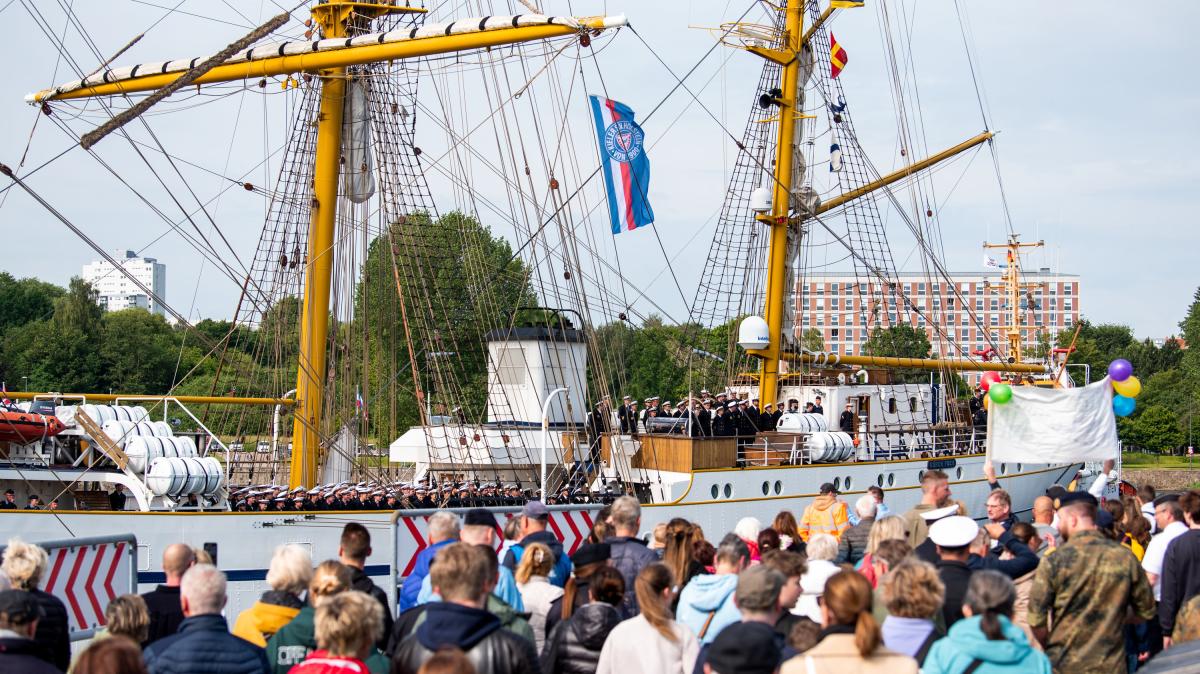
1120	369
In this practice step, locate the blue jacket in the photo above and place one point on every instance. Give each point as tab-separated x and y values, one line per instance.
412	584
203	645
708	594
629	556
562	563
506	589
966	643
1024	560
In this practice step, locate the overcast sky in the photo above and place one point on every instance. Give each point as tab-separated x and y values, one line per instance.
1095	104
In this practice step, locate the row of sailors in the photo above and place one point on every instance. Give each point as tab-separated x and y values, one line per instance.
398	496
723	415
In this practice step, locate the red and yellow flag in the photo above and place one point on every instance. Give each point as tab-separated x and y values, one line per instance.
837	57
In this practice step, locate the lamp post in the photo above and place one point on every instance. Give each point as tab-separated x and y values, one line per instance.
546	434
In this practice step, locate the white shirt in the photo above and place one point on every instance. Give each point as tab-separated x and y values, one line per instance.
1156	552
636	647
1148	513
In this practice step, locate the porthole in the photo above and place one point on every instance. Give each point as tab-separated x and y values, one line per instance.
1018	467
920	476
912	404
891	479
879	480
716	491
958	472
728	490
766	488
837	484
891	405
778	487
1003	468
848	483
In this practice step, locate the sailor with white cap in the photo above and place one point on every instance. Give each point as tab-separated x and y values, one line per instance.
953	537
927	550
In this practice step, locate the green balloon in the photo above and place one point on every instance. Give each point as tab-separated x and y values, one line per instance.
1000	393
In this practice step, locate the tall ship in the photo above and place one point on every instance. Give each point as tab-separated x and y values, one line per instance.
385	338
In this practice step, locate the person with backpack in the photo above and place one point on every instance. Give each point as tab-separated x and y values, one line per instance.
535	517
913	593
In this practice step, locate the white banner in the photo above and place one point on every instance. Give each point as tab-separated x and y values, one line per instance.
1053	425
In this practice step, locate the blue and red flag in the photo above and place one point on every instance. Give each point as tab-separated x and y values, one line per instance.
626	167
360	403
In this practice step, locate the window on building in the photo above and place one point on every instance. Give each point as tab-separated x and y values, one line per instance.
833	334
978	305
833	303
833	319
1067	304
920	288
1068	288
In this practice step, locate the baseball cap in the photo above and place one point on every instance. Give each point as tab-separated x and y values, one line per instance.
20	607
1056	491
536	510
954	532
1077	497
745	648
590	553
828	488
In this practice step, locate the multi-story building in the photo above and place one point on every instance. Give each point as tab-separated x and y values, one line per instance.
118	292
968	314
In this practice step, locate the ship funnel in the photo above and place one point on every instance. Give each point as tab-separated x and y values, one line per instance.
753	333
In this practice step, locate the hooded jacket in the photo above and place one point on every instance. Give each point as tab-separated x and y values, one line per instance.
412	584
475	632
266	616
705	596
18	654
826	515
966	643
297	639
203	644
574	645
562	563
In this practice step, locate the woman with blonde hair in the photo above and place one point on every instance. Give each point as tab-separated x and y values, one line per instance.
347	626
913	592
678	552
537	592
25	564
288	576
652	642
884	528
295	640
127	616
852	641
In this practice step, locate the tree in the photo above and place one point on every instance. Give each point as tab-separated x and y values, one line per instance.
812	340
900	341
1156	429
25	301
140	352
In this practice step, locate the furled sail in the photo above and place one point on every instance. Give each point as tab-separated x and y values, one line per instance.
358	179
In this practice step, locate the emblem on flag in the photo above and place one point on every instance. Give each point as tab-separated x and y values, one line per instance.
359	403
624	163
837	57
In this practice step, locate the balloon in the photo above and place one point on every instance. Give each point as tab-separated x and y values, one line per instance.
1130	388
1000	393
987	402
988	379
1123	406
1120	369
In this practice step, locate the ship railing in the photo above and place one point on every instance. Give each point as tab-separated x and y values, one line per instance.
887	446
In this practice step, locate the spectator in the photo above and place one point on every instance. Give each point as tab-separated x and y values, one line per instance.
1181	566
822	549
629	553
1187	622
20	613
479	528
758	601
347	627
443	530
353	551
678	552
537	594
706	605
512	533
119	655
25	564
601	527
1147	501
792	566
884	528
826	515
1169	520
768	540
953	537
288	575
1082	594
804	635
126	616
1136	529
573	647
203	644
1017	560
163	601
935	493
744	648
748	529
705	554
881	509
587	560
652	643
927	549
658	541
913	593
890	554
986	641
999	509
463	575
852	641
534	520
1043	522
1024	532
853	544
295	640
448	661
789	532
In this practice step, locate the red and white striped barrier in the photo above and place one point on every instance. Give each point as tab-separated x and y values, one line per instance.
86	574
571	524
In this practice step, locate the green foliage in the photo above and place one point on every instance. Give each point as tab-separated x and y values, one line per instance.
812	340
25	301
1156	429
900	341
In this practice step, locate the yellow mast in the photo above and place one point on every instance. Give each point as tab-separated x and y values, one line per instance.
1011	288
330	68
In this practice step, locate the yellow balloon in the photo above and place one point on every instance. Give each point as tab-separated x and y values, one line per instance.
987	403
1130	388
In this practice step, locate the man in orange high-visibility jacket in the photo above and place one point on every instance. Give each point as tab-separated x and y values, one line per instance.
826	515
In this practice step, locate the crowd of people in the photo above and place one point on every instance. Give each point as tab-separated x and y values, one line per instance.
724	414
1084	585
400	496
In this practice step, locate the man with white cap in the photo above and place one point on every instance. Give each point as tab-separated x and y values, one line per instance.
953	537
927	550
935	493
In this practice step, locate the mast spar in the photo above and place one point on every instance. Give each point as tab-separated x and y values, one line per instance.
327	59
